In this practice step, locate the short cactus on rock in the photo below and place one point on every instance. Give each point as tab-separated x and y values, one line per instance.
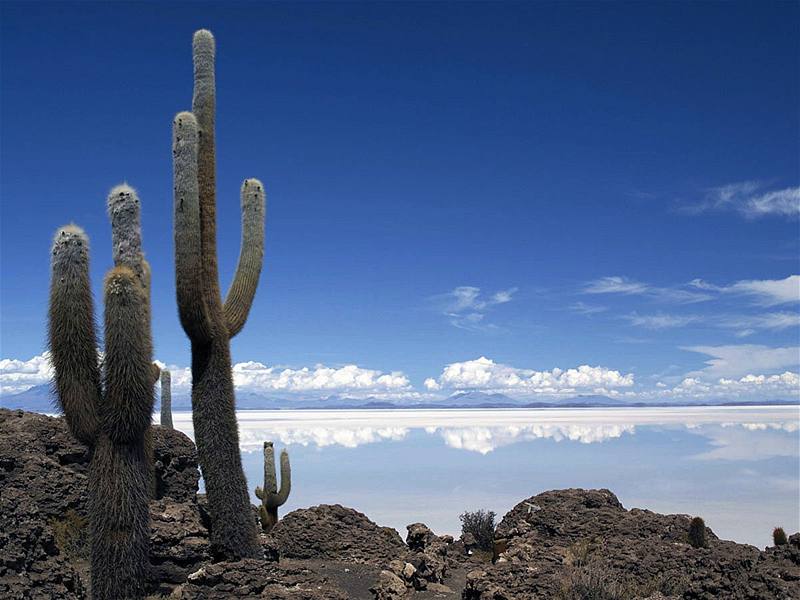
271	498
697	533
779	537
166	399
209	322
108	406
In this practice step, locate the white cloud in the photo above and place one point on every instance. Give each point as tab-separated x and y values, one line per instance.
257	377
750	199
20	375
485	374
628	287
466	307
587	309
739	360
661	320
769	292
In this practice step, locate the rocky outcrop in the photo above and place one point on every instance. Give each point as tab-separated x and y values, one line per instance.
256	579
44	537
331	531
566	538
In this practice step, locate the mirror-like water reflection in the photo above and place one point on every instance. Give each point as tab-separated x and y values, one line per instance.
737	467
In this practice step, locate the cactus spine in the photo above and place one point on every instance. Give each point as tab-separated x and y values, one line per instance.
271	497
208	322
109	407
166	399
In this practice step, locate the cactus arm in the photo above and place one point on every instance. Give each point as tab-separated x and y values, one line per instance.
127	368
204	108
71	332
270	482
126	231
251	257
188	245
279	499
259	492
166	399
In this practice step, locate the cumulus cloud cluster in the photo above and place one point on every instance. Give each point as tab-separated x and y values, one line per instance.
352	378
485	374
20	375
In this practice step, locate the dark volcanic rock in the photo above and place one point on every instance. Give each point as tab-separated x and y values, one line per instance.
31	564
43	499
178	540
560	537
257	579
175	464
331	531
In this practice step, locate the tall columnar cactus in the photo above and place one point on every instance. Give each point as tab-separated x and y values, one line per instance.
166	399
271	497
208	322
108	407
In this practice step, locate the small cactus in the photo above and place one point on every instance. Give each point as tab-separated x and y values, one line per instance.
697	533
271	498
166	399
779	536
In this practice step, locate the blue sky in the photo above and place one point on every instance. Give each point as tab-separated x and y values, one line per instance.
543	185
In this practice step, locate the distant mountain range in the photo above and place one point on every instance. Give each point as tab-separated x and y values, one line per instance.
40	399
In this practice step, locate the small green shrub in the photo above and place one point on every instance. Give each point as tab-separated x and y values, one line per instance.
480	524
697	533
72	535
779	536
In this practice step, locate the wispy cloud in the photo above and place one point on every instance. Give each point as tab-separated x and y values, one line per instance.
750	199
587	309
466	307
766	292
731	361
661	320
623	286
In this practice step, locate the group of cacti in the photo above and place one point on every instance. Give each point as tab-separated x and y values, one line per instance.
108	399
697	534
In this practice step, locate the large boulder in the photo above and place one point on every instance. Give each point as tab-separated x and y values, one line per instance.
251	578
331	531
573	539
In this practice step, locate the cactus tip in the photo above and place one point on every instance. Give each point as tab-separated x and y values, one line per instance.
203	39
121	196
120	279
70	239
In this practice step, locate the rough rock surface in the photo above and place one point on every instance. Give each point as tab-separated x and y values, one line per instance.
31	565
175	464
179	542
331	531
257	579
563	538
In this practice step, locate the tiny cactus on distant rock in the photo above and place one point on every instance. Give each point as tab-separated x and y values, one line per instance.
779	536
271	498
697	533
166	399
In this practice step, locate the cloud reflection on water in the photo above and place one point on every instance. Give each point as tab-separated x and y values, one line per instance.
749	433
